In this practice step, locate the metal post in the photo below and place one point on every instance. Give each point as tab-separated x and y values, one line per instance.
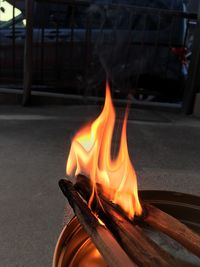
28	52
193	81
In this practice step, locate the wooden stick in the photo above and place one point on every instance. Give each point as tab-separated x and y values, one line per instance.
173	228
113	254
168	225
141	249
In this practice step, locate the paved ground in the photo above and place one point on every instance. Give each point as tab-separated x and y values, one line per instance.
34	143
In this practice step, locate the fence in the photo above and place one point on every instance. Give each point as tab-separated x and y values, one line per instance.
71	47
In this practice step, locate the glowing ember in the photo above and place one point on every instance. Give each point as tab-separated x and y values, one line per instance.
90	154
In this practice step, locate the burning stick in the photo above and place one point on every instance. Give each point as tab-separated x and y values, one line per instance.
137	245
102	238
90	153
155	217
173	228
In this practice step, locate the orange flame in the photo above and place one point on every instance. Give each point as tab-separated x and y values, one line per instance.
90	154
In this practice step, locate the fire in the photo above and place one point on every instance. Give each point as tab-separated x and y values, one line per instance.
90	154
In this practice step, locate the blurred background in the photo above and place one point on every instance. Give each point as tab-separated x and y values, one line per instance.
144	48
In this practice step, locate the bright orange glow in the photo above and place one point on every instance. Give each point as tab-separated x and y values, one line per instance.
90	154
101	222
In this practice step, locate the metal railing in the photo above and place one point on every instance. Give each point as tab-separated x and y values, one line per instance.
71	47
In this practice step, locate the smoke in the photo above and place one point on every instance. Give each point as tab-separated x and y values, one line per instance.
125	41
110	32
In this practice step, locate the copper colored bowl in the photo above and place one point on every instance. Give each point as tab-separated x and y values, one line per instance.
75	249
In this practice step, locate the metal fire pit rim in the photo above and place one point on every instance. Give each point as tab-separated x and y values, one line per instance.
170	197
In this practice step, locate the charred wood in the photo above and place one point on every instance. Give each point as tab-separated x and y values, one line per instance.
113	254
141	249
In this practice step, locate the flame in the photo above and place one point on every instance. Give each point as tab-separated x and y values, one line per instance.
90	154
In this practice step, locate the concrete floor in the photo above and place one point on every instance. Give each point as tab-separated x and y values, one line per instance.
34	143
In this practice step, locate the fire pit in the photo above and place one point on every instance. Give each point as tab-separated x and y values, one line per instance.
75	248
126	229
